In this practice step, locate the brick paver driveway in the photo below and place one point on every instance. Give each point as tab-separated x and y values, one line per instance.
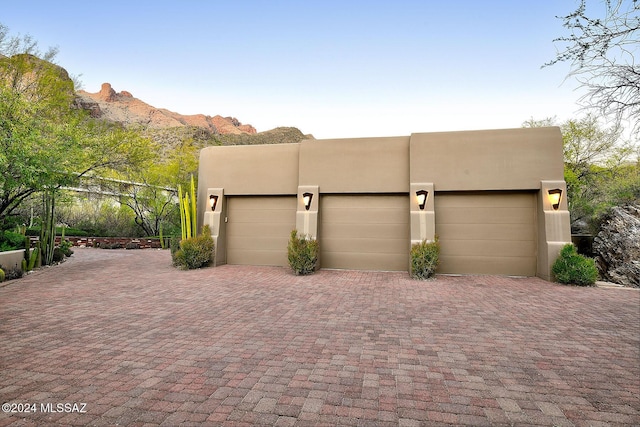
125	339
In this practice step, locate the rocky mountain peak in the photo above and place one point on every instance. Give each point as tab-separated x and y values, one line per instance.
107	93
123	107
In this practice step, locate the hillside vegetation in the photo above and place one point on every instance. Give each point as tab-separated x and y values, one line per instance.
105	162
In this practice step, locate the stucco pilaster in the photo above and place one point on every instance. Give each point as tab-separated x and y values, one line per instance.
423	221
214	218
307	218
554	226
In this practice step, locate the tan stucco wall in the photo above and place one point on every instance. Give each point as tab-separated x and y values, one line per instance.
246	170
505	159
357	165
471	161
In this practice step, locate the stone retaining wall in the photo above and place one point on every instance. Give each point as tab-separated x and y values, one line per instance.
97	242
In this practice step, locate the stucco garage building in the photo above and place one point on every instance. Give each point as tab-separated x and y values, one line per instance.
489	196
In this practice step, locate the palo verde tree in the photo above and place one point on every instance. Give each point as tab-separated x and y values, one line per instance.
155	200
601	49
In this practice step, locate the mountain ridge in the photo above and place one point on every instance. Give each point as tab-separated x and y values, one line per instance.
123	107
166	127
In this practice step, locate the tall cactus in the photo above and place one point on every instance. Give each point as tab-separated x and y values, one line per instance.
48	231
194	209
182	219
188	211
35	256
29	257
27	248
187	216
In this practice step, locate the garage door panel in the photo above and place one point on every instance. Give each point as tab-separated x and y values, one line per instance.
261	230
487	233
388	231
365	232
354	261
267	216
494	248
363	245
255	257
265	243
258	229
378	216
516	266
488	215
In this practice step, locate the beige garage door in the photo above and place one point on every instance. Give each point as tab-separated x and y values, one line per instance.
487	233
365	232
258	229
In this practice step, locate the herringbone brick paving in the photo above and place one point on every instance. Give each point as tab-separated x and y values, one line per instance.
144	344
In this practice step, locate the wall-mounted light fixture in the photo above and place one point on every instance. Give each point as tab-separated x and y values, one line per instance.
422	196
555	195
213	201
306	198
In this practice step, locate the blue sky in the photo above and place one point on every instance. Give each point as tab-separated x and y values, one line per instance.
330	68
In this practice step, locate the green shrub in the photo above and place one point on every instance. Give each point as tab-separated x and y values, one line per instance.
424	259
573	268
11	273
10	241
195	252
302	253
174	245
14	273
58	255
107	245
65	247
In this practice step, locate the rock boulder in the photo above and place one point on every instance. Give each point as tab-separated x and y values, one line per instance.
617	246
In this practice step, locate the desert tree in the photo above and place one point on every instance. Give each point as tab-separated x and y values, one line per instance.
600	168
46	142
601	47
154	199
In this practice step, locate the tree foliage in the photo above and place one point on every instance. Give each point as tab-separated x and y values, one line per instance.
601	52
600	168
154	200
32	155
46	143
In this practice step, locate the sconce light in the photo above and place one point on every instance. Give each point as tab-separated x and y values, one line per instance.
555	195
213	201
306	198
422	196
